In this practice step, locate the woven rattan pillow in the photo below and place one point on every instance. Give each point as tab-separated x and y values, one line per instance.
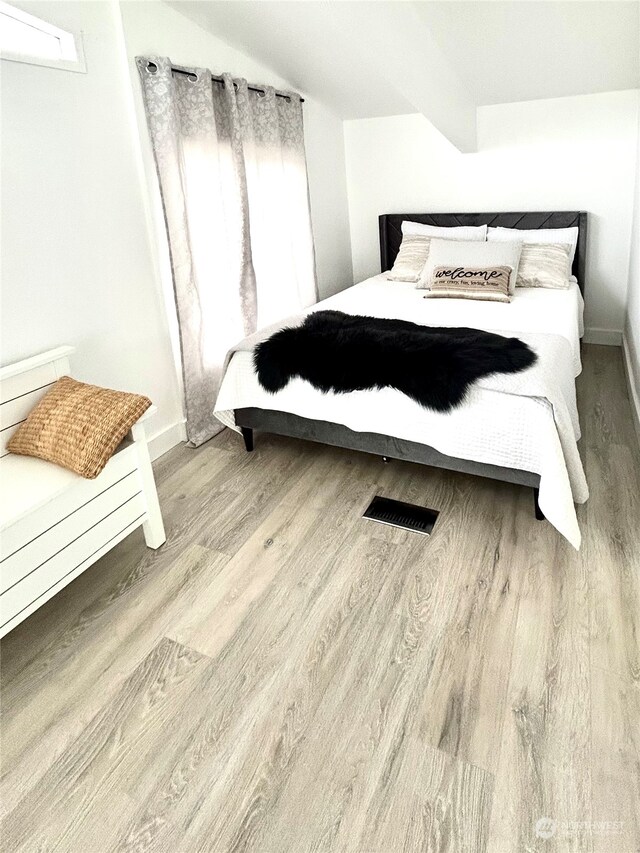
78	426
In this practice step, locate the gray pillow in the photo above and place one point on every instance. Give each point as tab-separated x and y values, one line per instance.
544	265
411	258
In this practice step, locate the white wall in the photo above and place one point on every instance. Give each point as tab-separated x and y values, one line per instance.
632	325
84	258
152	27
324	140
565	154
77	264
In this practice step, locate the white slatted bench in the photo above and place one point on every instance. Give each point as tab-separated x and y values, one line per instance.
53	523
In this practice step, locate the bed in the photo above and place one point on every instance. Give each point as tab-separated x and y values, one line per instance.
496	433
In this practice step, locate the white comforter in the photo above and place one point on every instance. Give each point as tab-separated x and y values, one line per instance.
495	425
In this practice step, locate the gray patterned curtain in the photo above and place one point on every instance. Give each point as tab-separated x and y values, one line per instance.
232	172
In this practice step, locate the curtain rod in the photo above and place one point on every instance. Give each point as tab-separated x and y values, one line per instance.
215	79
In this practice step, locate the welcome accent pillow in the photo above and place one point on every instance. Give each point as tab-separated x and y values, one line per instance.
471	255
490	284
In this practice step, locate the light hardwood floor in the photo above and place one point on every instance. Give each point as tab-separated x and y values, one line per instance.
285	677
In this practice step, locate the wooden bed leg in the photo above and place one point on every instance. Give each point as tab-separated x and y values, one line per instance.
247	434
539	514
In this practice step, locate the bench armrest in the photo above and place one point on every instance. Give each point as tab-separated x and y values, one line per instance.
138	431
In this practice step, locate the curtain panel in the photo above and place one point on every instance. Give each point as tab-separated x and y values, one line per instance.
233	180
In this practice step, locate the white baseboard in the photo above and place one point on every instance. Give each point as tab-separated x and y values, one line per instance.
608	337
167	438
632	384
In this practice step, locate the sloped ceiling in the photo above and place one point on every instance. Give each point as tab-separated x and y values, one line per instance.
442	59
524	51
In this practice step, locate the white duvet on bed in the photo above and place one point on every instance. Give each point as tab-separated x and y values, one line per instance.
498	428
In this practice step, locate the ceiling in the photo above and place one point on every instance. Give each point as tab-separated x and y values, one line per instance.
525	51
443	59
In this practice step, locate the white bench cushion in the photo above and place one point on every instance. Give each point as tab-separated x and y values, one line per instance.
27	483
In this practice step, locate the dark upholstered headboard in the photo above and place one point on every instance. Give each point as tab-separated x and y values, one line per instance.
391	233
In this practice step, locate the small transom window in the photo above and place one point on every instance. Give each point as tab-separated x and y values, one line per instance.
25	38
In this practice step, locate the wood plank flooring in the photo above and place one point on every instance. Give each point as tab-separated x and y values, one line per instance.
286	677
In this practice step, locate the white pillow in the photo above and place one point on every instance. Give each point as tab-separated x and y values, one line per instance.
540	235
456	232
471	253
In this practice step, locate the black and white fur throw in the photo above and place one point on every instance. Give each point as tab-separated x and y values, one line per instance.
343	352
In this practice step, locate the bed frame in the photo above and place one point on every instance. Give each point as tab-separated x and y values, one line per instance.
283	423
